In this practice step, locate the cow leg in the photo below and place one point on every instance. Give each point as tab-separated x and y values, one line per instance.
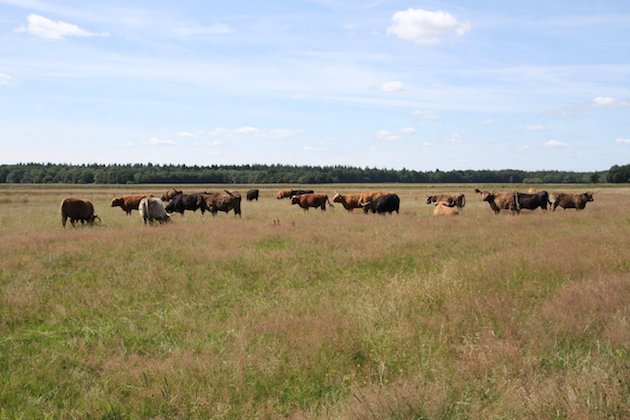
63	220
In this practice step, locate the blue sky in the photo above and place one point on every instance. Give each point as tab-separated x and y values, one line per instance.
388	84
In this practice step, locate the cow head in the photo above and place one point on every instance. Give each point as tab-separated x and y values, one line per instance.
337	198
486	195
295	199
588	196
430	199
117	201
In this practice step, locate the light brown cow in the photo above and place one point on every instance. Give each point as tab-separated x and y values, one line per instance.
223	201
532	191
129	202
77	210
348	201
168	195
443	209
315	200
369	196
500	201
283	194
572	201
458	200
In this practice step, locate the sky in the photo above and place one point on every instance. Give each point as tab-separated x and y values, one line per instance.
423	85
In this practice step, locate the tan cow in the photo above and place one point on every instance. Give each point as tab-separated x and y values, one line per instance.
348	201
283	194
458	200
572	201
500	201
442	209
369	196
315	200
129	202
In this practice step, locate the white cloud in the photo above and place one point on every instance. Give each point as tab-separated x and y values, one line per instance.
408	130
5	79
536	127
488	121
425	114
425	27
387	135
609	102
454	138
552	144
393	86
314	149
247	130
46	28
622	141
187	134
160	142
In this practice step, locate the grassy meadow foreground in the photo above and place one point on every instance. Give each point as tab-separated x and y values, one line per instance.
324	315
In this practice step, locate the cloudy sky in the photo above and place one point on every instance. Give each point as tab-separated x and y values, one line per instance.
388	84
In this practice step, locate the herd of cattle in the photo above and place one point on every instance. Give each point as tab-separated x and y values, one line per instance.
153	209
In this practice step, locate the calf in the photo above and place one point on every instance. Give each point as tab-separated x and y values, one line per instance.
252	195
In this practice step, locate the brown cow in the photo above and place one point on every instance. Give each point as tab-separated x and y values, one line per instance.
77	210
572	201
443	209
500	201
129	202
307	201
283	194
223	201
348	201
369	196
458	200
168	195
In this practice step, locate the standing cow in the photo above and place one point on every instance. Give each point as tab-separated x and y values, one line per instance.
223	201
182	202
348	201
168	195
315	200
572	201
77	210
129	202
386	203
533	201
500	201
252	195
153	209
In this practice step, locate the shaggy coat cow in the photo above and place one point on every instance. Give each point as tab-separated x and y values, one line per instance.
307	201
458	200
182	202
348	201
368	196
223	201
500	201
292	193
572	201
252	195
283	194
533	201
170	194
77	210
385	203
129	202
443	209
153	209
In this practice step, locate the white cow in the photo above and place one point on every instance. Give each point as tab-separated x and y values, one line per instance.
152	208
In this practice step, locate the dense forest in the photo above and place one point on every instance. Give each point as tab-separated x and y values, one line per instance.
28	173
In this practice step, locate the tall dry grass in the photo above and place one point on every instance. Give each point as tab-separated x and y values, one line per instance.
324	315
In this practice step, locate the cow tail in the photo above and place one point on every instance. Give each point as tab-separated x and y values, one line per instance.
463	200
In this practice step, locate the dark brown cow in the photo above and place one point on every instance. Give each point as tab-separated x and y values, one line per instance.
77	210
572	201
315	200
168	195
129	202
223	201
458	200
348	201
500	201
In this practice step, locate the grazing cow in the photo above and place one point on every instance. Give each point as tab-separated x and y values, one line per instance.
283	194
385	203
458	200
533	201
252	195
223	201
182	202
500	201
572	201
307	201
348	201
77	210
443	209
151	209
129	202
170	194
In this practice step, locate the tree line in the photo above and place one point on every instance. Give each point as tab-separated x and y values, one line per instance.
31	173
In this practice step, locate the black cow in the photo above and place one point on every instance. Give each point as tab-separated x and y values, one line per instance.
293	193
182	202
252	195
386	203
533	201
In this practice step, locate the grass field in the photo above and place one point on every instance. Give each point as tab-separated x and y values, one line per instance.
326	315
